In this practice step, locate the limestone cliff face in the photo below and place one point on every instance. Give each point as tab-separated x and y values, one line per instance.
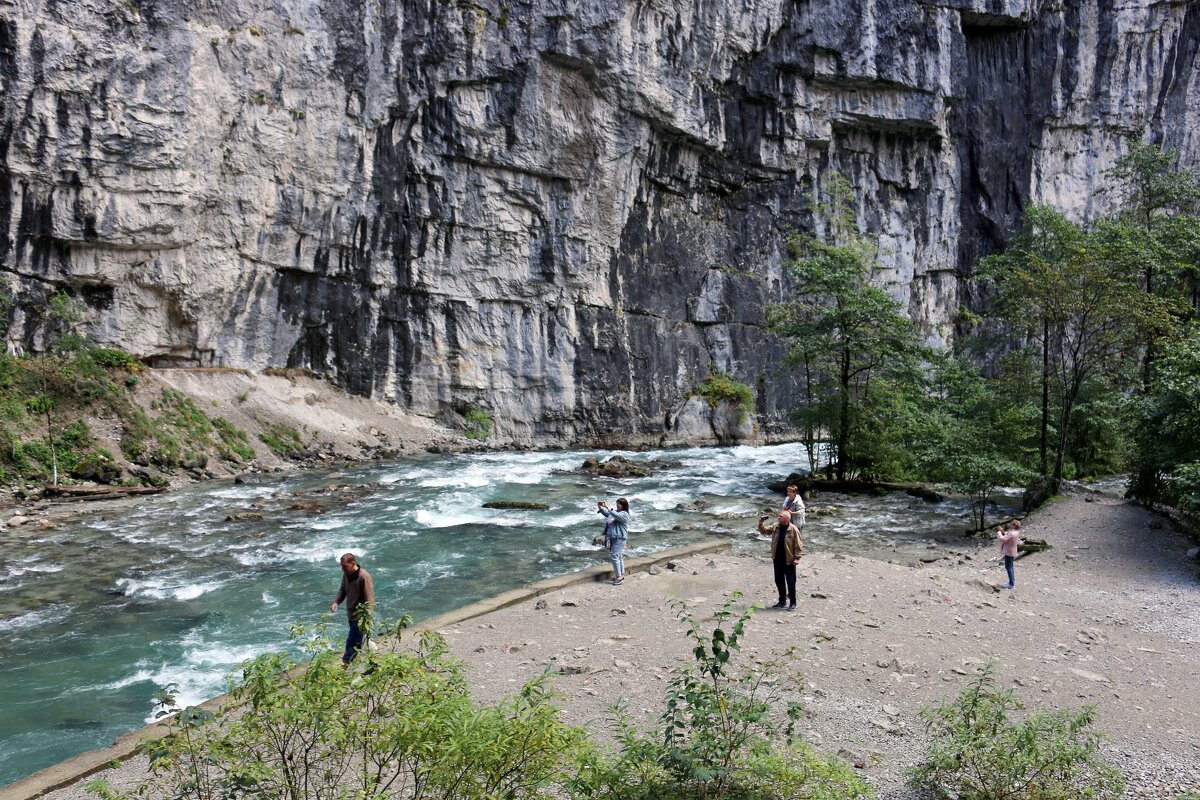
565	211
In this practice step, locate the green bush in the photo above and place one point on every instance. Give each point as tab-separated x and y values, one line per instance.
111	358
478	423
284	441
234	441
404	725
180	435
719	387
725	734
978	753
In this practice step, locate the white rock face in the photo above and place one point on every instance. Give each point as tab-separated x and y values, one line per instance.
566	213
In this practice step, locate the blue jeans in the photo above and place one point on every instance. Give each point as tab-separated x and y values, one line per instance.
1008	566
616	555
354	642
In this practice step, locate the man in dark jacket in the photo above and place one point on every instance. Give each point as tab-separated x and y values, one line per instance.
359	593
786	548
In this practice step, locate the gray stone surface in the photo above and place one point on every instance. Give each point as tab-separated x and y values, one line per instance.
565	212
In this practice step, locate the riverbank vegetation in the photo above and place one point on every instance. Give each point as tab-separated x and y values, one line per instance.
1083	361
52	402
402	723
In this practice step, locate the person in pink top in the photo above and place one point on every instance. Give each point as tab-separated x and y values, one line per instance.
1009	537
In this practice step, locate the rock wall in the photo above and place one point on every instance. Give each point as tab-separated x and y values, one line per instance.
565	211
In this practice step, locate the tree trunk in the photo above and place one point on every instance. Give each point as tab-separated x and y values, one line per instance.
1045	393
844	416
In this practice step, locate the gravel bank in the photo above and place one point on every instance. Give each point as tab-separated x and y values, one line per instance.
1107	617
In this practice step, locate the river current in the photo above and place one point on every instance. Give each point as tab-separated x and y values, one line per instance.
98	614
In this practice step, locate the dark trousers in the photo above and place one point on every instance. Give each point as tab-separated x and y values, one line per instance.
354	642
785	581
1008	566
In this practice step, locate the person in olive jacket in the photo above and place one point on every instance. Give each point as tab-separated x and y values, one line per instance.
786	549
359	593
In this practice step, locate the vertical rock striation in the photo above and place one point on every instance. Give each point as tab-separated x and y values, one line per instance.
565	211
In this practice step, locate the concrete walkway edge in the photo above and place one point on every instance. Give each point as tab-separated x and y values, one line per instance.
76	768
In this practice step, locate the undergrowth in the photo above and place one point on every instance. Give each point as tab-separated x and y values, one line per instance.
719	387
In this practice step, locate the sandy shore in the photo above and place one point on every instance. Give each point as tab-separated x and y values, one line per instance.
1107	617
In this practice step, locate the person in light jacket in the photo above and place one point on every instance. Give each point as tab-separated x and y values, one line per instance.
786	549
1010	537
794	504
616	534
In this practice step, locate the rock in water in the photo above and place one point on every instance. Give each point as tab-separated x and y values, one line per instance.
516	505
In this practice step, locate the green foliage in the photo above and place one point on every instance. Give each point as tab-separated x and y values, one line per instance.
847	335
1168	433
283	440
234	441
403	726
970	434
477	423
719	387
978	753
111	358
180	436
1058	286
726	732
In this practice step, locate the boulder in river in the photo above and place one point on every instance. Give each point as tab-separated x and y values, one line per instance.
516	505
621	467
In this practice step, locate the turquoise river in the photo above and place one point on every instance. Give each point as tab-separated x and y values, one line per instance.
99	613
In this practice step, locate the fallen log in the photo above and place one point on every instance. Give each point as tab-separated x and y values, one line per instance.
97	492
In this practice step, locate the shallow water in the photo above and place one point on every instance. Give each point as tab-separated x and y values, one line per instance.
97	615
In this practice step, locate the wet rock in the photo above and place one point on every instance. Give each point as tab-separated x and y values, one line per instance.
621	467
307	505
97	469
516	505
46	525
696	505
244	516
17	521
925	493
248	479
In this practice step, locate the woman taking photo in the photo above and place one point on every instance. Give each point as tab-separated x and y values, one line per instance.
616	533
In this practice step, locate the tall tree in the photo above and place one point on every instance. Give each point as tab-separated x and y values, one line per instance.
1060	285
1156	234
847	333
1025	277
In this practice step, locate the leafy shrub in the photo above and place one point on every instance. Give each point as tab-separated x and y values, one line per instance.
284	441
719	387
478	423
404	726
180	435
725	734
111	358
234	441
977	753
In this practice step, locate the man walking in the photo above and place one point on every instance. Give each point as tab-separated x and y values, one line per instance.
359	593
786	548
